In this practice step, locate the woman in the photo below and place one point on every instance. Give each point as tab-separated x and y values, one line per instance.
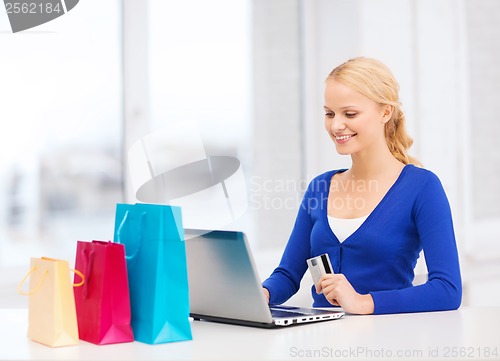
374	218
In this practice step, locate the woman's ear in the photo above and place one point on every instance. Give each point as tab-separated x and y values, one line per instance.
387	111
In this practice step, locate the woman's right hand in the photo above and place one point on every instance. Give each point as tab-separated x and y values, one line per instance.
266	293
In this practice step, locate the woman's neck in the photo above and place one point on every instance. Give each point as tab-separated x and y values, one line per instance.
371	165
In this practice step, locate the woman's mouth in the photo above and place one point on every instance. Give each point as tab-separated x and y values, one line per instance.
343	138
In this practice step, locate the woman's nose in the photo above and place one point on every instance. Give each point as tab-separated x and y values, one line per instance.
337	125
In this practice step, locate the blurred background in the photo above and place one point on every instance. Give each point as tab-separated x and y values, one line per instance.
77	92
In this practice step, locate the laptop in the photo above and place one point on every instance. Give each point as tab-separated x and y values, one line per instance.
224	285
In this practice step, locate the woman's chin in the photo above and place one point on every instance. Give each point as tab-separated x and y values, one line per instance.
343	151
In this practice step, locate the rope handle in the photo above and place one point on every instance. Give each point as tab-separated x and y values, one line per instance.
20	285
88	265
79	275
119	231
33	269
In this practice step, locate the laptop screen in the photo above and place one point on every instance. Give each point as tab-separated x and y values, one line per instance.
223	280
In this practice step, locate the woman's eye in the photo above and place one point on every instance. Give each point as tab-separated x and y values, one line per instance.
350	115
329	114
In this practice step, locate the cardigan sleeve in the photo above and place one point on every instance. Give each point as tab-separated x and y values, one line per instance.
443	289
284	282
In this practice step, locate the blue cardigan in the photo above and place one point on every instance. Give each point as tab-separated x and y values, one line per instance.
380	256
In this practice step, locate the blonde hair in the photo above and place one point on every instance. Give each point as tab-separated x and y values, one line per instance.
374	80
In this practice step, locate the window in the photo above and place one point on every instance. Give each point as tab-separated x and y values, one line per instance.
60	162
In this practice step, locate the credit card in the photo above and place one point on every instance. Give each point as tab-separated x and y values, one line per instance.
319	266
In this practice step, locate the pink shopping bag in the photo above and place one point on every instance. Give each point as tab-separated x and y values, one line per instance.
103	302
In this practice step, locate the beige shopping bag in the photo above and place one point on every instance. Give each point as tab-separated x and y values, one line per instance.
52	312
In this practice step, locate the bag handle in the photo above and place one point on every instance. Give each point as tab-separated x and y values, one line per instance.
79	275
20	285
33	269
119	231
88	264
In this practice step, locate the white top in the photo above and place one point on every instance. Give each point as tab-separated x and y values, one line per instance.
344	227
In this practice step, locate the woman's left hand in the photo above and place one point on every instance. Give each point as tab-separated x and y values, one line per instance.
339	292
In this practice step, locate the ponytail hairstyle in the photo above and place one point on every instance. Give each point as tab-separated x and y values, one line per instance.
374	80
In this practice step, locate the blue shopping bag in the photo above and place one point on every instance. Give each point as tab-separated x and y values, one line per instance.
153	236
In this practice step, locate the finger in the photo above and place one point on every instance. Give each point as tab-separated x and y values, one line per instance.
321	285
327	276
331	296
329	286
325	282
327	290
318	288
333	301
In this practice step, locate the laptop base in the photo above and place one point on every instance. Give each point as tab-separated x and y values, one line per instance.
233	321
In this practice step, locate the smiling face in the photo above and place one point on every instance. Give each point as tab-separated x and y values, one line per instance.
353	121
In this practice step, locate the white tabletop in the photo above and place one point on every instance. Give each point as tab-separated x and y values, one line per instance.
469	333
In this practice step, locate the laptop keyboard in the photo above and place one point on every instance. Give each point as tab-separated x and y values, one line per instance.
281	313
